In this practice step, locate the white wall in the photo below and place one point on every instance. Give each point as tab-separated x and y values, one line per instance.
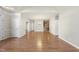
10	25
69	26
17	25
5	28
53	26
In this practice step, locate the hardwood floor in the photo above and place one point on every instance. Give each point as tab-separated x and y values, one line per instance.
36	41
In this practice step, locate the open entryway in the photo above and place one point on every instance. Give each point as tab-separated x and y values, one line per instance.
30	26
37	26
46	25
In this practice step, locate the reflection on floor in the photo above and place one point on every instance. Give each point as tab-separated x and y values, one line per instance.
36	41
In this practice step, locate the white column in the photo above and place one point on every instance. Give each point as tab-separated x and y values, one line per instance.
57	24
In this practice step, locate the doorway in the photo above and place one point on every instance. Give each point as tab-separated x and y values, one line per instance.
46	25
37	26
30	26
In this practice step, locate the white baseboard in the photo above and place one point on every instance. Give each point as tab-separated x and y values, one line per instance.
69	42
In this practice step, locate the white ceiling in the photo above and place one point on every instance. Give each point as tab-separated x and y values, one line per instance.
31	8
56	9
42	11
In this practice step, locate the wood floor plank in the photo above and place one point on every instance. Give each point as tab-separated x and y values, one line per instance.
36	42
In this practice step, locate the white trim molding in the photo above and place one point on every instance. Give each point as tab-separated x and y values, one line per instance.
69	42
